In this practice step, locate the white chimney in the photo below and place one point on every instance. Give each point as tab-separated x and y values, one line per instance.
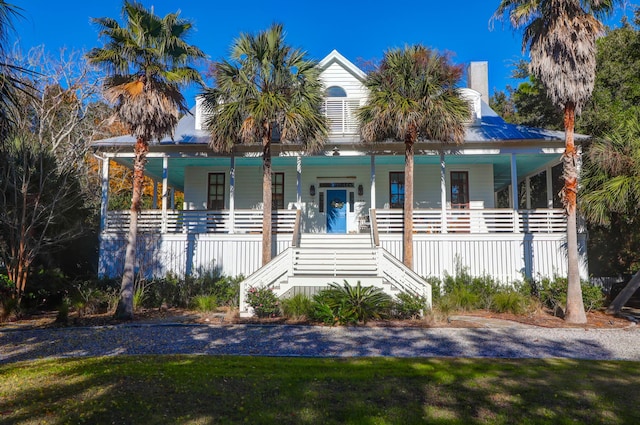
478	79
199	119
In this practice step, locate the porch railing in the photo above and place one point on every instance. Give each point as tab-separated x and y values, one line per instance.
199	221
474	221
386	221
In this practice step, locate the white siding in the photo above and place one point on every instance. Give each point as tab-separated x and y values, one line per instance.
426	187
313	220
480	182
336	75
507	258
196	181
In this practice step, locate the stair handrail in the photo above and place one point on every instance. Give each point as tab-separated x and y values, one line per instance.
267	275
295	241
373	226
412	283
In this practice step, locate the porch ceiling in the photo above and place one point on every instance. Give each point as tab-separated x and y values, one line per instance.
526	164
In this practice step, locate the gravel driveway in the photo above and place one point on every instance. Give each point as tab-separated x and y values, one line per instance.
316	341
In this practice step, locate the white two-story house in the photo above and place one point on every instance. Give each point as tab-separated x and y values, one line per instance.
489	205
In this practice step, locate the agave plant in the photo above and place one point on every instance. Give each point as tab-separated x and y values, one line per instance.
353	304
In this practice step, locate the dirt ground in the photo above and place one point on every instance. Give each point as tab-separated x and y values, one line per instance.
473	319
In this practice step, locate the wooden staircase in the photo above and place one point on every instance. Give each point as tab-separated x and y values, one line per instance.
322	259
325	258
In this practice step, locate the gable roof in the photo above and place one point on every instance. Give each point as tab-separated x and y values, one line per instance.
336	57
490	127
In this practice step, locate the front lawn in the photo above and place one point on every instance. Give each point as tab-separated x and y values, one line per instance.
258	390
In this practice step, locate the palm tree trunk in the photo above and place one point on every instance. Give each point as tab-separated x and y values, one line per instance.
266	198
125	304
408	200
575	306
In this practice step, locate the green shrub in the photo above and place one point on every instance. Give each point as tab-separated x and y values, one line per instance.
264	302
461	298
180	292
354	304
436	287
298	307
323	313
205	303
553	294
510	301
592	296
409	306
139	294
63	311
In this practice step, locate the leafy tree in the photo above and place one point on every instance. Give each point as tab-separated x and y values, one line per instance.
527	104
46	187
616	94
148	62
267	90
39	203
561	38
413	96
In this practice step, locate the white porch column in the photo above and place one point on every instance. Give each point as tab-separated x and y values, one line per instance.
154	203
298	182
373	181
514	193
443	193
549	188
232	195
165	185
104	200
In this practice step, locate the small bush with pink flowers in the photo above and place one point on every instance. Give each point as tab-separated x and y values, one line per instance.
264	302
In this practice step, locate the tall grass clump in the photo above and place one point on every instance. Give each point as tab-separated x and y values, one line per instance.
297	307
205	303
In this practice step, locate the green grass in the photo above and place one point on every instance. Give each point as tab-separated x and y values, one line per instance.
258	390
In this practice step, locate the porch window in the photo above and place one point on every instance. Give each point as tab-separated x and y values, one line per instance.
459	189
396	189
216	191
277	191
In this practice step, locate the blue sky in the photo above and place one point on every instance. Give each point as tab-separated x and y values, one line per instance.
360	30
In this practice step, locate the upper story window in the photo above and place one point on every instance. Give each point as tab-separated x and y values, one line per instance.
336	91
340	110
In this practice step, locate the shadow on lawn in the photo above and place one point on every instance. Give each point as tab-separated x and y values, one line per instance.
228	389
299	341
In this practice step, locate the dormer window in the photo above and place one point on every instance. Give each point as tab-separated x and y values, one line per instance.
340	110
336	91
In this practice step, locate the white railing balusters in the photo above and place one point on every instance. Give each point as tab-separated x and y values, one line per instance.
200	221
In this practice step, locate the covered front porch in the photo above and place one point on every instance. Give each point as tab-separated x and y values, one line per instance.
470	190
500	219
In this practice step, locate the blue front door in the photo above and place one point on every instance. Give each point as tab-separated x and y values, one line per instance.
336	211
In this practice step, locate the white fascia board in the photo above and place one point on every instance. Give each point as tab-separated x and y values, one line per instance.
346	63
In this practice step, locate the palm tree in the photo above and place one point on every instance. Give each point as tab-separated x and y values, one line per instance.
413	96
267	90
561	38
10	82
611	187
147	62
